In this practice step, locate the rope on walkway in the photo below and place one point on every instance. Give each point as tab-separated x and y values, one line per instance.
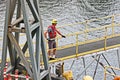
72	64
118	57
96	67
84	63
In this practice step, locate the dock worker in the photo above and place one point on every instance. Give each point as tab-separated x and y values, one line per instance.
50	35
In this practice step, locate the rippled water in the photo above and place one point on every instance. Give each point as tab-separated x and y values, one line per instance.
72	11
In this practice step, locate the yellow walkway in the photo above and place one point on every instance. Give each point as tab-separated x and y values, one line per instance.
109	39
89	48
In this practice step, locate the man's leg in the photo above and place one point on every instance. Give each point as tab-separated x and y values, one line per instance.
50	47
54	52
54	49
49	52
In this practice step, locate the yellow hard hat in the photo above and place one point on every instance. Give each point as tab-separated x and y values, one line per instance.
54	21
87	78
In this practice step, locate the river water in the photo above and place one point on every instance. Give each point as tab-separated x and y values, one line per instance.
72	11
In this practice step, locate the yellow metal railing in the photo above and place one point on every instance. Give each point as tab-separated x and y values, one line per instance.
106	32
77	42
106	35
108	73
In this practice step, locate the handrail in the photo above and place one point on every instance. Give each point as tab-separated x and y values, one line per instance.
105	28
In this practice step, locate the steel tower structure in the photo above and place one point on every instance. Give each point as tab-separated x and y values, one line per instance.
12	30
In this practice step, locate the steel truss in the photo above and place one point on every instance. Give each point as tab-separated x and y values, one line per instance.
11	39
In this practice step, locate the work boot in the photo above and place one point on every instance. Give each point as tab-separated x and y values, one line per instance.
51	58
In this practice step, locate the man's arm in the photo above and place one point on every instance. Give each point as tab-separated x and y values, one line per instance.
60	33
45	34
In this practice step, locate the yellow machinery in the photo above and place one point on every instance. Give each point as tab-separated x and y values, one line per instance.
68	75
87	77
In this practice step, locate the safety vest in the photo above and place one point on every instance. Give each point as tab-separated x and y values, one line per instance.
51	31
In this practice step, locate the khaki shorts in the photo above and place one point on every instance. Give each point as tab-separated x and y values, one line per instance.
51	44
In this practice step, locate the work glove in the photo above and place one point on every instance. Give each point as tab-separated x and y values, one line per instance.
48	39
63	36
